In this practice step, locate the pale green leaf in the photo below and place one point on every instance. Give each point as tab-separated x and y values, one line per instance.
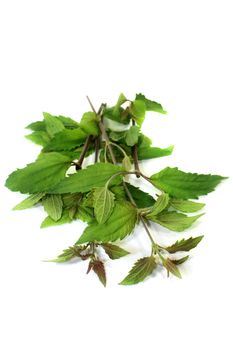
65	219
171	267
52	124
160	205
151	105
103	204
131	135
93	176
89	123
183	185
186	205
68	122
120	224
53	206
138	110
126	163
174	221
39	137
37	126
29	201
154	152
142	269
40	176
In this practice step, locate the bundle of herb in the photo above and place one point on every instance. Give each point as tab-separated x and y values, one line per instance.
100	195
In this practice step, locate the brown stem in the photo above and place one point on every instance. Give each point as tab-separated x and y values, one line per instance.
97	147
78	164
135	156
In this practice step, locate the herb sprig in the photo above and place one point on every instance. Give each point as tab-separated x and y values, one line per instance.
101	194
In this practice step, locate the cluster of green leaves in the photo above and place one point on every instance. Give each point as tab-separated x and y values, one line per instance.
100	195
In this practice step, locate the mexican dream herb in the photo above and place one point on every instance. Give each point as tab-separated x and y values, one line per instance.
101	194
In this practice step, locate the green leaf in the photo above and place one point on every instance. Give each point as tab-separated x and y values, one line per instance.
180	261
174	221
89	123
29	201
113	251
68	122
69	253
151	105
138	110
185	205
98	267
142	199
117	135
85	214
120	224
142	269
126	163
39	137
131	135
103	204
66	140
154	152
37	126
183	185
120	101
40	176
65	219
119	115
53	205
171	267
160	205
52	124
184	245
93	176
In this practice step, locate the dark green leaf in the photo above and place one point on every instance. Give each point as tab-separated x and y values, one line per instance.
142	269
120	224
183	185
93	176
66	140
68	122
113	251
40	176
184	245
142	199
180	261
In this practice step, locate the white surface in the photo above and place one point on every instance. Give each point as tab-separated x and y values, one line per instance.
53	53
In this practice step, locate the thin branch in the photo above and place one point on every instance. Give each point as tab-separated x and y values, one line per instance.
78	164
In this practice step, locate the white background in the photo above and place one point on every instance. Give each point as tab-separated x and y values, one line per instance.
179	53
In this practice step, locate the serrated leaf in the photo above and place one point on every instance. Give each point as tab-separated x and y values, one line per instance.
29	201
183	185
138	110
103	204
98	267
93	176
120	224
160	205
69	253
40	176
53	206
68	122
174	221
71	200
52	124
37	126
184	245
67	139
131	135
65	219
142	199
118	115
114	251
154	152
186	205
39	137
171	267
142	269
151	105
85	214
126	163
89	123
